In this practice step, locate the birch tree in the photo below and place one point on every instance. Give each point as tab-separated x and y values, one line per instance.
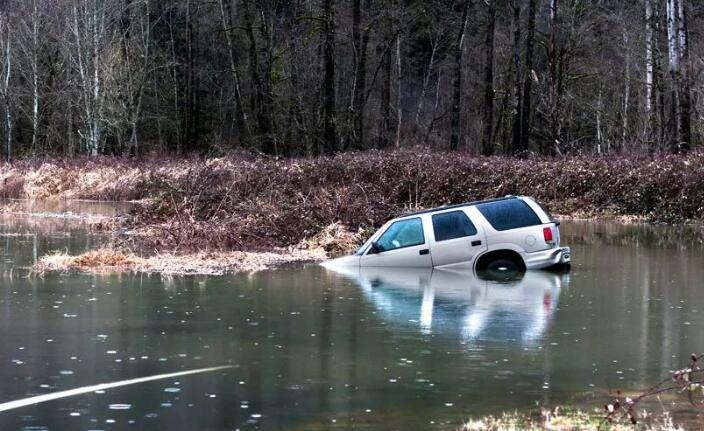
90	38
650	43
29	45
6	76
673	52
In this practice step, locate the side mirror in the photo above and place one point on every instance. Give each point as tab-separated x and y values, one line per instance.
375	248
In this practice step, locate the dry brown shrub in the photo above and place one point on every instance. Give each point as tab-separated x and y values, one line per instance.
94	261
49	181
336	239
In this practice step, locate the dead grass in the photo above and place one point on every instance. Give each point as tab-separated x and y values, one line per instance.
107	261
335	240
103	260
566	420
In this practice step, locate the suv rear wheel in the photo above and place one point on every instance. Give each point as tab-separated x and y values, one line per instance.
501	264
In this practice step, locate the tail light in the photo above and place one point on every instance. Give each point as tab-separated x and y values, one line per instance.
547	234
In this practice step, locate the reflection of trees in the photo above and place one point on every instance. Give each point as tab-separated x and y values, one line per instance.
619	234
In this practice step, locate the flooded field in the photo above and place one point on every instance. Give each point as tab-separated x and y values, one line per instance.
310	349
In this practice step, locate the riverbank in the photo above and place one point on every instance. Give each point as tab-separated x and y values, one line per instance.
248	203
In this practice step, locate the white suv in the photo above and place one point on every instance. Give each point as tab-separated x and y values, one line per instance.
511	233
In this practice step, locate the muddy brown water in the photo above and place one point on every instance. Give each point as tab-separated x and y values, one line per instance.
312	349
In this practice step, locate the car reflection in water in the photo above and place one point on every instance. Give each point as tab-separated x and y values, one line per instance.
475	306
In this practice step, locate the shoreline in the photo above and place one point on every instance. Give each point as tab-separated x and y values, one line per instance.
332	241
180	207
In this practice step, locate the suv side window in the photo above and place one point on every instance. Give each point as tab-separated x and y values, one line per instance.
403	233
452	225
509	214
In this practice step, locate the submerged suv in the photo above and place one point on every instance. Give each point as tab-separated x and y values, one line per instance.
511	233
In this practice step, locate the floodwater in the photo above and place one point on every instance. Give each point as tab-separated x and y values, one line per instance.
311	349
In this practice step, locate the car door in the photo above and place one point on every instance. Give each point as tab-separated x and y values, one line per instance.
456	239
404	243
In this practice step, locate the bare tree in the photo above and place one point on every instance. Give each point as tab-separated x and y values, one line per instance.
684	121
29	45
88	27
6	69
330	126
128	76
399	94
360	43
488	117
457	78
650	43
228	25
518	80
528	80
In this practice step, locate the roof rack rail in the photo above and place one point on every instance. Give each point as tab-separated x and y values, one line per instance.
453	206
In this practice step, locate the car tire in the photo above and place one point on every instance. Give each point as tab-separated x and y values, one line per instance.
502	269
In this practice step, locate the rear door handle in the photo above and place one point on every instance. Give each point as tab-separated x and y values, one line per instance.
476	243
424	252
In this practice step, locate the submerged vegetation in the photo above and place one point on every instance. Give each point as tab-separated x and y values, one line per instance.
246	202
113	261
564	420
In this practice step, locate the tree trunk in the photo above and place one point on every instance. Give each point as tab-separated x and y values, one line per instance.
385	125
399	93
685	121
426	79
35	76
626	92
488	117
361	43
258	104
240	114
6	90
556	68
457	80
649	60
266	28
191	101
517	94
674	64
528	80
330	127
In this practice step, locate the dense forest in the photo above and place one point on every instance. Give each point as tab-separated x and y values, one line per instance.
308	77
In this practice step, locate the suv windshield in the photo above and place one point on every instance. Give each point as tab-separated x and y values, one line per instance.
509	214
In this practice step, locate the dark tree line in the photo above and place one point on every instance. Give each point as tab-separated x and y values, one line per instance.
306	77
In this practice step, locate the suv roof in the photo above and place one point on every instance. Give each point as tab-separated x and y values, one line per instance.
449	207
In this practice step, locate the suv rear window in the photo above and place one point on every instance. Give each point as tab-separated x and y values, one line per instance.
509	214
452	225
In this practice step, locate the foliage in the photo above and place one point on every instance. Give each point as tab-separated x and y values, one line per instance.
688	381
